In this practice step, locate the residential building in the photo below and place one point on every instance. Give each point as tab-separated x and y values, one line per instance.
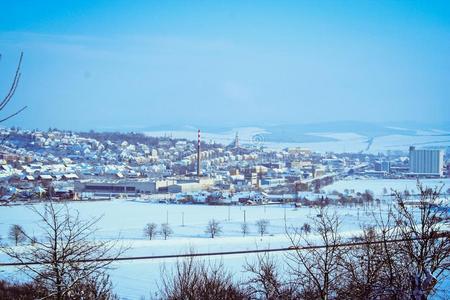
426	162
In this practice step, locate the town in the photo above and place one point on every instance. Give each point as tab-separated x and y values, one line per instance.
63	165
229	150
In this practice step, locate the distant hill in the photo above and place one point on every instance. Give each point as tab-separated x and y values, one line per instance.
306	133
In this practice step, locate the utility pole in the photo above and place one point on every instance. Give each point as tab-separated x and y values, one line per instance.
198	154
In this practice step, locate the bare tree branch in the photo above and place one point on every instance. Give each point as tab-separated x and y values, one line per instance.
4	102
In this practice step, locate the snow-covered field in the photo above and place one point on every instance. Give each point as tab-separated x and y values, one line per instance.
377	185
342	141
246	134
126	219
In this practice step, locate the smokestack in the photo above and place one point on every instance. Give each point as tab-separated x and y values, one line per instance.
198	155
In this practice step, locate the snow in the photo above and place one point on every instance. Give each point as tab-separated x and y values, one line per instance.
344	141
402	142
377	185
246	134
125	219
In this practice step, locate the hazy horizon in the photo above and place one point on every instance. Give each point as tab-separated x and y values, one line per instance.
116	64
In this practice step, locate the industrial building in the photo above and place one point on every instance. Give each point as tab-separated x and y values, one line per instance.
191	185
123	186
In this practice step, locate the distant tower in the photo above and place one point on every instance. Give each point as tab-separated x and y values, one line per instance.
236	141
198	155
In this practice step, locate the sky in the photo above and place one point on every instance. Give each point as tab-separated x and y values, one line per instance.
137	64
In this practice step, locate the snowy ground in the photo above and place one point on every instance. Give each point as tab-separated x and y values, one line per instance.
126	219
377	185
246	134
343	141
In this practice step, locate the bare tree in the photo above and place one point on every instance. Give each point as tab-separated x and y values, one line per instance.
193	279
266	280
306	228
426	249
262	226
388	282
166	230
317	269
245	229
367	196
213	228
16	234
411	268
150	230
11	91
363	267
68	262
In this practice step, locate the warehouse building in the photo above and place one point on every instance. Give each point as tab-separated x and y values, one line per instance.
123	186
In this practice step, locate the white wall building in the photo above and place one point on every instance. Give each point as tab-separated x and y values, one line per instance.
426	162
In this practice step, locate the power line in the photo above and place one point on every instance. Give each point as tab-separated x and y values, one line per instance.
222	253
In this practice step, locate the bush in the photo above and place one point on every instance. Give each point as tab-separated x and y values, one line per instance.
198	280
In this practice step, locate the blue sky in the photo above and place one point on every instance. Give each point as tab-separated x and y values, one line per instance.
134	64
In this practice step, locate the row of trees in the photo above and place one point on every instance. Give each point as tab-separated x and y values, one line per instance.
151	230
213	229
